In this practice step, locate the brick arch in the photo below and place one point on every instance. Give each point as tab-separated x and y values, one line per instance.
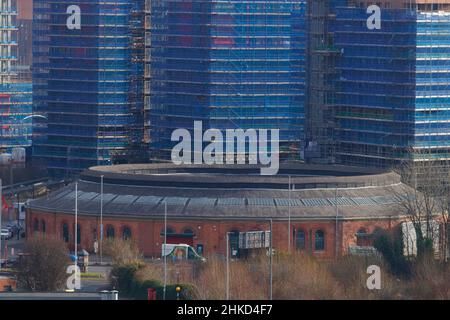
188	228
109	231
61	230
319	235
169	227
301	238
126	227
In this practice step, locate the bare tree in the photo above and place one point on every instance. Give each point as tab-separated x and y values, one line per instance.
444	209
43	265
122	251
425	195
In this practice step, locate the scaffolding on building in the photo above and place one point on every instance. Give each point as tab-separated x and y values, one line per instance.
231	64
8	40
94	107
392	94
322	84
15	95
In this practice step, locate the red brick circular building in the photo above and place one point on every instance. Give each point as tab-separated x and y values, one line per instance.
331	207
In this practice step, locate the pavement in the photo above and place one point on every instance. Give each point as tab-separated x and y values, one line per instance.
96	284
49	296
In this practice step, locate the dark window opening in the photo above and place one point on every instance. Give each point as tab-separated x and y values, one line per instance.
233	237
110	232
319	240
78	234
300	240
36	225
126	233
65	231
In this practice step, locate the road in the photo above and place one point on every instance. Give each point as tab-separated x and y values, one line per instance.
96	285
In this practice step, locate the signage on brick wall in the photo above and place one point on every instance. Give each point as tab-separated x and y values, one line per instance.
254	239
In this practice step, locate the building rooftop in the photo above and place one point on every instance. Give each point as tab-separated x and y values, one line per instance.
140	191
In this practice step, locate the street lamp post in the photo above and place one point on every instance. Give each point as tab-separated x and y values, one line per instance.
76	227
11	183
164	251
270	263
336	229
178	290
289	217
101	219
1	211
228	267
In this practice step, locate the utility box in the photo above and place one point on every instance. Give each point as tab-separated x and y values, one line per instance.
151	294
83	260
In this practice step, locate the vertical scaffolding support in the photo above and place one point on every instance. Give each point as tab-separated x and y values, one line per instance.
8	40
321	80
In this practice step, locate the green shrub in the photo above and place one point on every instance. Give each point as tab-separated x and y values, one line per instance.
122	277
124	280
391	247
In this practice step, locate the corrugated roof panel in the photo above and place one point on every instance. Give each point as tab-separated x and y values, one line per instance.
267	202
341	201
384	199
61	194
284	202
231	202
363	201
202	201
88	196
125	199
148	200
106	197
175	201
315	202
70	195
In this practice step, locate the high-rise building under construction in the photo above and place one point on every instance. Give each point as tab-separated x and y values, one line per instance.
15	94
346	93
88	82
385	91
230	64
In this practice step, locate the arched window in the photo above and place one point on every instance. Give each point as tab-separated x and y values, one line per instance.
78	234
43	226
300	240
361	237
36	225
65	232
169	230
188	231
110	232
126	233
319	240
233	237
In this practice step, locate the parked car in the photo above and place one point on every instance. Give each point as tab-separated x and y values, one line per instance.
180	252
6	233
13	227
